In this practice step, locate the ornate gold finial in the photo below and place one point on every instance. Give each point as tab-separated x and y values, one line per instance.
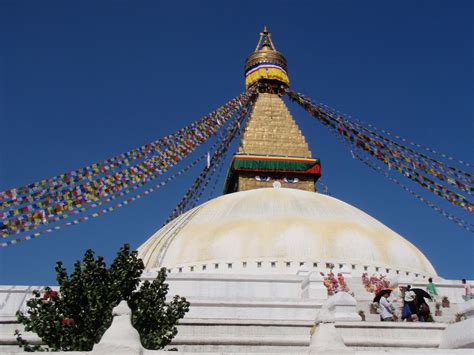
266	63
265	42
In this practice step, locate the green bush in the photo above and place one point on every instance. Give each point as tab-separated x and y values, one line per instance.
76	317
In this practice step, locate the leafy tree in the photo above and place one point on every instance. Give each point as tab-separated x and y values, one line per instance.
149	309
76	317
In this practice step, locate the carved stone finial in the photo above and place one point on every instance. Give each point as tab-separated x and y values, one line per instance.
121	337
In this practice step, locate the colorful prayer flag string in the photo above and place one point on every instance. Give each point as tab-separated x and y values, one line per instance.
460	222
382	149
72	201
217	155
423	162
396	136
95	204
104	210
68	200
36	189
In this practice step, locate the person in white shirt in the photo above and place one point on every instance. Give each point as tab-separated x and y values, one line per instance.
410	300
467	290
386	309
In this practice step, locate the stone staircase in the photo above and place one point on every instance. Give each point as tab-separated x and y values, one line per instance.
289	337
383	335
232	335
280	326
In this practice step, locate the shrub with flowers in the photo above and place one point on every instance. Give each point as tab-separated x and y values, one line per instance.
375	283
67	321
49	294
334	283
76	317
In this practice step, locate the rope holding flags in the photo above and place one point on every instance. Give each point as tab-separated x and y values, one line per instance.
103	211
218	154
107	166
408	162
373	166
396	136
460	222
73	195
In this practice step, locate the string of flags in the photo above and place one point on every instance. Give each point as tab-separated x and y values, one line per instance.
411	164
411	160
28	226
216	182
208	123
396	136
219	168
71	195
373	166
460	222
194	201
103	211
213	169
77	196
217	155
189	137
430	165
342	120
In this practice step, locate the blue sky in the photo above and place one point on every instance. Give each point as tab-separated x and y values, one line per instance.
83	81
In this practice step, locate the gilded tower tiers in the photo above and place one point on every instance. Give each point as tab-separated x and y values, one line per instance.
273	152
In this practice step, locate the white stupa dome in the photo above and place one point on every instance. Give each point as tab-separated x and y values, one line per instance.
273	230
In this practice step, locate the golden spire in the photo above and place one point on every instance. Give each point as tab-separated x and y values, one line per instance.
266	38
272	152
271	130
266	63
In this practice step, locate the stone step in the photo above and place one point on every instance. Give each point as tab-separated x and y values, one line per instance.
360	335
223	327
391	334
241	341
239	349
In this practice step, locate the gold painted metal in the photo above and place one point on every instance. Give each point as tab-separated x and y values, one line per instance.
266	52
271	130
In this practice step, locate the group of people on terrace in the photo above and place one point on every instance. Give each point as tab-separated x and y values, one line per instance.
415	307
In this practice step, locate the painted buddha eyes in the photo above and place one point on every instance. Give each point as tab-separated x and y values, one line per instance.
291	179
266	178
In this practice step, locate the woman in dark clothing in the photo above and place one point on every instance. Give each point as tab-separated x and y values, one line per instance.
423	312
